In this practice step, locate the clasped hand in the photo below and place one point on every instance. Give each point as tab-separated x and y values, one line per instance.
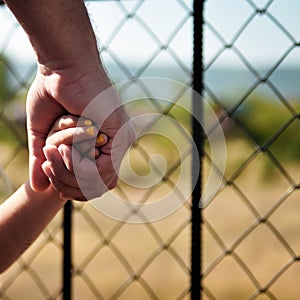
52	157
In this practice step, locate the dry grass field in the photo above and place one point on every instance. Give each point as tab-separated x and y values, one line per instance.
114	259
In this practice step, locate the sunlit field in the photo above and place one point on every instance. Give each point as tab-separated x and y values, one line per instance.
248	59
142	261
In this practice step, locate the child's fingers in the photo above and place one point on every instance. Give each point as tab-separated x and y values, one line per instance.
60	171
80	132
64	122
69	121
67	156
59	164
89	148
55	166
87	145
101	139
67	136
70	156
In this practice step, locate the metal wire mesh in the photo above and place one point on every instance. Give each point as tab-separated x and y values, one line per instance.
112	259
250	250
250	246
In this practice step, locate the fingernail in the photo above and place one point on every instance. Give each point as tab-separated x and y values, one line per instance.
101	138
94	152
87	122
90	131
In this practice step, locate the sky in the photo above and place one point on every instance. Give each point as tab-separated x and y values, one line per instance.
262	41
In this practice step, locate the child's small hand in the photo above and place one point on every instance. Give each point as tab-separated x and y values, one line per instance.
62	153
88	139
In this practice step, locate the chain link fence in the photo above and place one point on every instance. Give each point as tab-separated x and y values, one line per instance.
112	259
250	245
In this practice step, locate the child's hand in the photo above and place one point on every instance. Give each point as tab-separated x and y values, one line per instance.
67	127
59	151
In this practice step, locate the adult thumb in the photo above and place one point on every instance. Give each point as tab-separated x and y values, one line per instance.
38	180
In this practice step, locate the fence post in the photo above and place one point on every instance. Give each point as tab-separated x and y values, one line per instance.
67	251
198	136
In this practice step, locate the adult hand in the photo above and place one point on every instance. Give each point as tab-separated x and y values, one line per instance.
60	141
70	75
55	93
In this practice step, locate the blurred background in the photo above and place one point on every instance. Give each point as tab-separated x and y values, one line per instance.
250	244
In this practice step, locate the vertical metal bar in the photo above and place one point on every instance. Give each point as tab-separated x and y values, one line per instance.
198	136
67	251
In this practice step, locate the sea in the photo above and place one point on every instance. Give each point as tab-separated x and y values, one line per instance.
225	82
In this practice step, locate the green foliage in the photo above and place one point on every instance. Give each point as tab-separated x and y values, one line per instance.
273	126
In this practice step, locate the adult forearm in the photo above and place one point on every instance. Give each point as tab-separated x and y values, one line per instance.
59	30
22	218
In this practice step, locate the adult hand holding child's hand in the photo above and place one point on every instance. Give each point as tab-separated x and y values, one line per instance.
69	78
49	98
60	151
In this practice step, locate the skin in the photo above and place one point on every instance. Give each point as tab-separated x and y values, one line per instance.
25	206
70	76
36	209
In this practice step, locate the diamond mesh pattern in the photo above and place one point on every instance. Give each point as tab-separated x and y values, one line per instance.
250	245
111	259
250	251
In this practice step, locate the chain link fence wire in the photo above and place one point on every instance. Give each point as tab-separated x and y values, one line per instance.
251	62
111	259
250	245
